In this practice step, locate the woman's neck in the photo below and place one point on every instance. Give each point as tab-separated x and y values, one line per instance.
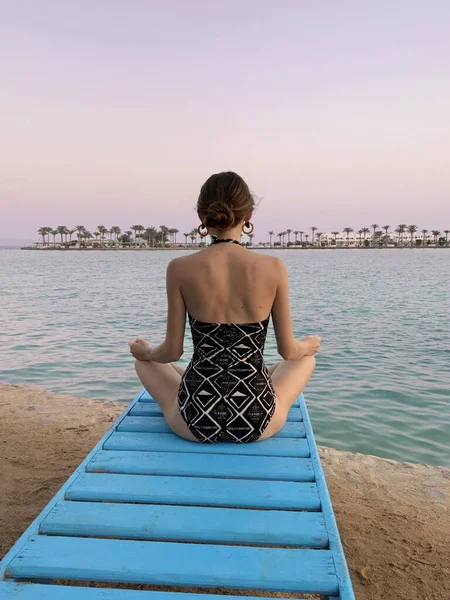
229	234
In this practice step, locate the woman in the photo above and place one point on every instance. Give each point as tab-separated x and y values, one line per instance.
226	393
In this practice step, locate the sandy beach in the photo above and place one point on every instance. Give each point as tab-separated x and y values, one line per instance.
393	517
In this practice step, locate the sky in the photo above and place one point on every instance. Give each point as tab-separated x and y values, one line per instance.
115	112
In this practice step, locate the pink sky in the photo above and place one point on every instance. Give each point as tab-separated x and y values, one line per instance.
115	112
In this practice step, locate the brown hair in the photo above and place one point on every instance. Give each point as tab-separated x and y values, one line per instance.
224	200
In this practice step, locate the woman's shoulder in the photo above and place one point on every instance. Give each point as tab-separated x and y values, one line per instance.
271	262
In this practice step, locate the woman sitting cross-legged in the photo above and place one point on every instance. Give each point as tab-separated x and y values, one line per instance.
226	393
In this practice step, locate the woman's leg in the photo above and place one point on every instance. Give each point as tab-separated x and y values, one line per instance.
162	382
178	369
289	380
274	367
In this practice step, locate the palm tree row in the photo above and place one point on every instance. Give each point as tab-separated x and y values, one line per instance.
152	237
148	235
377	238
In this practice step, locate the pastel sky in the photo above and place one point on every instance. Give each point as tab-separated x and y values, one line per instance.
114	112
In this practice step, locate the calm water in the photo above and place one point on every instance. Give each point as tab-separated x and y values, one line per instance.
382	384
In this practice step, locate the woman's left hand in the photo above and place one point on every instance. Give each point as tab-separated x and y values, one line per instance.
140	349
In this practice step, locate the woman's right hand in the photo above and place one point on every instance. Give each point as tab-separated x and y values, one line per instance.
310	344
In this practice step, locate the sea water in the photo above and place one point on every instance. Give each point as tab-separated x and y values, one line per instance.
382	382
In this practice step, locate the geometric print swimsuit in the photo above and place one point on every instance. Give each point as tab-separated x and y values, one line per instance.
226	394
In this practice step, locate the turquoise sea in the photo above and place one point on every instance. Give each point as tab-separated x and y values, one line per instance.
382	383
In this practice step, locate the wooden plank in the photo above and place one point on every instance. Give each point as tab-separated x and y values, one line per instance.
149	408
343	575
161	442
171	563
187	524
34	526
202	465
33	591
194	491
156	424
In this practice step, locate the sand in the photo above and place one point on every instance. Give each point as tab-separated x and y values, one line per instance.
394	518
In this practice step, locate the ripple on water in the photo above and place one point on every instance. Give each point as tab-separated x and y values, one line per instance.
382	383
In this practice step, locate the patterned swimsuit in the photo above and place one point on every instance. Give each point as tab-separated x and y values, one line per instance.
226	393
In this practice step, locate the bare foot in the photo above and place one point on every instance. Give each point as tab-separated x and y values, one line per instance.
310	344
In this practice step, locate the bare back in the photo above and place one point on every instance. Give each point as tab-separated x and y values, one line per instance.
227	283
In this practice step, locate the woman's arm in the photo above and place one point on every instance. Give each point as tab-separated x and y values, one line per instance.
288	347
171	349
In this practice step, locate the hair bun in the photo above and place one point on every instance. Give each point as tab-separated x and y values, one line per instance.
219	215
224	201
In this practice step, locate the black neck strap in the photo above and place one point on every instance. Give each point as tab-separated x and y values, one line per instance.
219	241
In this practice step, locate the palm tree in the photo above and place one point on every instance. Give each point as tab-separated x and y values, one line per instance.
61	229
137	229
435	233
374	227
186	235
71	232
306	237
149	235
43	231
175	231
279	237
296	236
115	229
102	230
54	233
424	232
301	236
335	233
348	231
313	230
365	231
319	234
271	233
134	228
386	230
446	231
360	232
163	234
129	233
87	235
49	230
192	236
412	230
289	231
251	235
96	234
401	230
80	229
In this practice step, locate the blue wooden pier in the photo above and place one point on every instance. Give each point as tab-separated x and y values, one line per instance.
147	507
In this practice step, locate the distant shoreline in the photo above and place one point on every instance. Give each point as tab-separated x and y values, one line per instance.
193	248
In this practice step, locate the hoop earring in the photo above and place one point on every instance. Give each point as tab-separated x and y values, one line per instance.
201	226
247	225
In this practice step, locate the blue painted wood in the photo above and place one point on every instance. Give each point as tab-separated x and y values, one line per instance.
34	527
151	409
261	471
33	591
195	491
172	563
161	442
158	425
202	465
187	524
345	585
